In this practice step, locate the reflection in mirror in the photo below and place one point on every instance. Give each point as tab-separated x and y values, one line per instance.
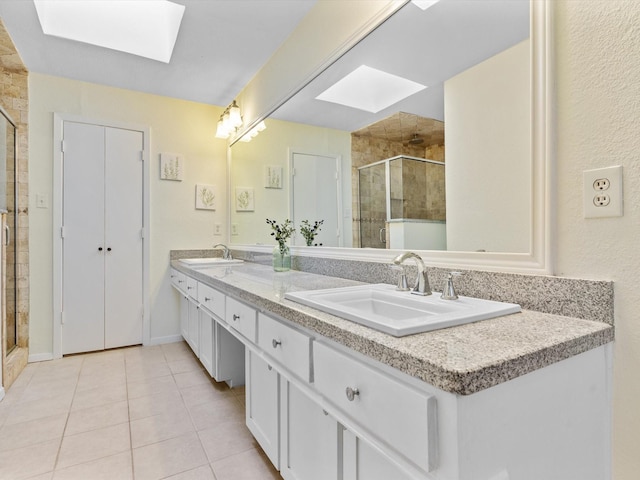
462	145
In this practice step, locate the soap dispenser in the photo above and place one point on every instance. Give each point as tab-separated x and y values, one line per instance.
449	292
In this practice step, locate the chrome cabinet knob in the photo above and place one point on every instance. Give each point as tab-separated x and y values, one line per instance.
275	343
236	317
352	393
207	299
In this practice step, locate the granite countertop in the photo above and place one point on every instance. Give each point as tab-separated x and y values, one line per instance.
462	360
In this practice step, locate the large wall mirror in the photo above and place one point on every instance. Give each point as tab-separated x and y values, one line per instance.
456	166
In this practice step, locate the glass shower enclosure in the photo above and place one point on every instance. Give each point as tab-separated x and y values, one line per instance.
402	204
8	202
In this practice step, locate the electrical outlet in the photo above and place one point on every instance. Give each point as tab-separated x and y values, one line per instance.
234	229
603	192
601	184
217	229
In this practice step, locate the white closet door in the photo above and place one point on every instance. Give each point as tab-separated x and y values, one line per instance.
83	241
315	196
123	239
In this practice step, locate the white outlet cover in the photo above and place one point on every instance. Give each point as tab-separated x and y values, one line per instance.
614	192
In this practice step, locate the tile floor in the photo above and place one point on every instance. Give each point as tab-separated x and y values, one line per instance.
140	413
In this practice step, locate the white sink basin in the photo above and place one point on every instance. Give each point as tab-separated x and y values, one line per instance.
383	308
207	262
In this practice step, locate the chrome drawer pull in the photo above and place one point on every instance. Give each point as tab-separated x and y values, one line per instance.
275	343
236	317
351	393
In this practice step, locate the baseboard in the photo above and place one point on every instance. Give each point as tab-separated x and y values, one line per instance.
40	357
167	339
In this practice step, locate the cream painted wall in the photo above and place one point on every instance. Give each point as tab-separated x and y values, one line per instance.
273	147
177	126
488	168
598	97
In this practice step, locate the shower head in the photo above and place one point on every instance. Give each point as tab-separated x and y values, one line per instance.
416	140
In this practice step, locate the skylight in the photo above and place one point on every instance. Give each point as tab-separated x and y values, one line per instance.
424	4
147	28
370	90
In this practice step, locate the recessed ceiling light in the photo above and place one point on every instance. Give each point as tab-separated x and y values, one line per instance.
370	89
147	28
424	4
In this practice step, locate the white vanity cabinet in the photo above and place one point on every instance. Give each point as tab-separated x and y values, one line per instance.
362	461
322	411
241	318
202	326
399	419
263	404
284	415
310	438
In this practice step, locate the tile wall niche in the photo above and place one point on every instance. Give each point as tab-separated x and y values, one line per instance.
15	101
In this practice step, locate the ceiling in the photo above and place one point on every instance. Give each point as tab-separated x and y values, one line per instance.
220	47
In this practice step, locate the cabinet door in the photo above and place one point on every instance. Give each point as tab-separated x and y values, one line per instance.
228	364
262	405
184	316
361	461
207	340
310	435
194	328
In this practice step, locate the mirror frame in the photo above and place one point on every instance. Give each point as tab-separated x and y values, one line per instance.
539	258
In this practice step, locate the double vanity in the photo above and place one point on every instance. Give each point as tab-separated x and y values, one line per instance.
521	396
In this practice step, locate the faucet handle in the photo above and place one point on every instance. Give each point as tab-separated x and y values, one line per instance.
403	285
449	292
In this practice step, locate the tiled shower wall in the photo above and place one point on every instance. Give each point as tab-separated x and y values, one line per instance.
14	99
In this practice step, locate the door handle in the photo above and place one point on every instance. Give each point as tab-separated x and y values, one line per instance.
383	235
7	235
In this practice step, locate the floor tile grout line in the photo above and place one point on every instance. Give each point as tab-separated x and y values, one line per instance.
75	388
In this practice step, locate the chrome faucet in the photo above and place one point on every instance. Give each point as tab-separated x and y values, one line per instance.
226	254
422	282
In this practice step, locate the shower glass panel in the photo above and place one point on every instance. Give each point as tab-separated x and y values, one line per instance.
402	204
373	205
8	208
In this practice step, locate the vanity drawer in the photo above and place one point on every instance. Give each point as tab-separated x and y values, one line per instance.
178	280
192	287
289	347
241	317
390	411
211	299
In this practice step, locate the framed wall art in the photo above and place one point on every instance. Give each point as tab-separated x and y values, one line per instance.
205	197
171	166
244	199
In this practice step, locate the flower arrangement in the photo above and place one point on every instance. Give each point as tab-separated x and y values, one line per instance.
282	233
309	232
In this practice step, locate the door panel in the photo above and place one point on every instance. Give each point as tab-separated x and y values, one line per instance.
83	223
315	197
123	227
102	279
